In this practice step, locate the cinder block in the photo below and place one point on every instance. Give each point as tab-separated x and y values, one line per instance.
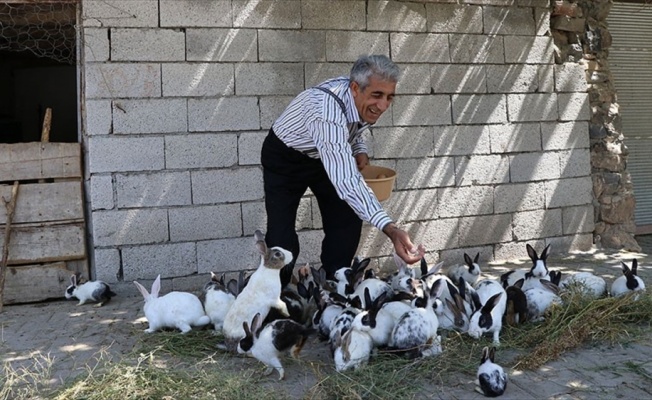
484	230
479	109
529	49
396	16
508	21
414	79
569	192
566	244
96	44
476	49
221	45
466	201
533	3
407	142
271	107
310	244
253	217
132	13
528	167
97	117
107	265
575	162
333	14
304	214
421	110
205	13
578	219
510	138
515	251
574	106
117	154
317	73
211	150
147	45
454	18
565	135
249	146
224	185
192	284
419	47
198	79
101	189
546	78
481	170
269	14
519	197
224	114
532	107
537	224
456	256
292	46
138	226
512	78
570	77
150	116
413	205
425	173
450	78
542	19
226	255
349	45
169	260
205	222
123	80
317	222
153	189
457	140
269	79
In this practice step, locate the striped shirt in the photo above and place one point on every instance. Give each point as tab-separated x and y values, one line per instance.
314	124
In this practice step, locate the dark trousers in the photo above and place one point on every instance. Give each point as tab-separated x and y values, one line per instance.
287	173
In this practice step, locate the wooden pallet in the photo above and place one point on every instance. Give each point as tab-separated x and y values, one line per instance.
48	230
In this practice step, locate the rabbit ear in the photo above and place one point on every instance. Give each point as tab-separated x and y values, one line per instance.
485	354
492	353
467	260
255	323
634	266
367	298
245	326
477	257
436	289
625	268
73	280
531	253
544	254
142	290
262	247
519	283
492	302
156	286
424	266
259	235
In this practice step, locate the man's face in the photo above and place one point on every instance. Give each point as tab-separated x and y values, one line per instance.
374	100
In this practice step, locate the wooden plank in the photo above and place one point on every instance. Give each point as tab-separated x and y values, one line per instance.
29	283
36	160
31	245
45	202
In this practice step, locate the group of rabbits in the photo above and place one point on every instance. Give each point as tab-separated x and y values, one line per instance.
358	312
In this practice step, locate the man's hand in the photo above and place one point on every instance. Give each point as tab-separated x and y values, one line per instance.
361	160
403	245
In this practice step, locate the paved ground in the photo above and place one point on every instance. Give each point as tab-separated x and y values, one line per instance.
75	336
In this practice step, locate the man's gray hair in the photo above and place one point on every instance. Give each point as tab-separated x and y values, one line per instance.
378	65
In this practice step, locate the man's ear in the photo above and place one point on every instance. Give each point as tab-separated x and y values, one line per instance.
355	88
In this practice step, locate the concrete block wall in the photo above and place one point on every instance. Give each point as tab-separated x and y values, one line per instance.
488	135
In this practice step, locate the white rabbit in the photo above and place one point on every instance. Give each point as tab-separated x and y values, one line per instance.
217	300
629	282
179	310
374	321
539	267
469	271
97	291
490	300
415	334
262	292
352	350
341	323
588	283
540	299
376	288
492	379
267	343
453	314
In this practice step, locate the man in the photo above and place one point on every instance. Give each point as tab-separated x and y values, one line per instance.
316	143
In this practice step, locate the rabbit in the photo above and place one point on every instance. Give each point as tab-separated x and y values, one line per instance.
539	267
376	288
297	303
374	321
217	300
352	349
262	293
629	282
470	270
97	291
404	272
453	314
415	333
267	343
586	282
490	300
492	379
540	299
342	322
516	311
179	310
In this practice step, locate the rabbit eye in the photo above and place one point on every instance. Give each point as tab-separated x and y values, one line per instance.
278	254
